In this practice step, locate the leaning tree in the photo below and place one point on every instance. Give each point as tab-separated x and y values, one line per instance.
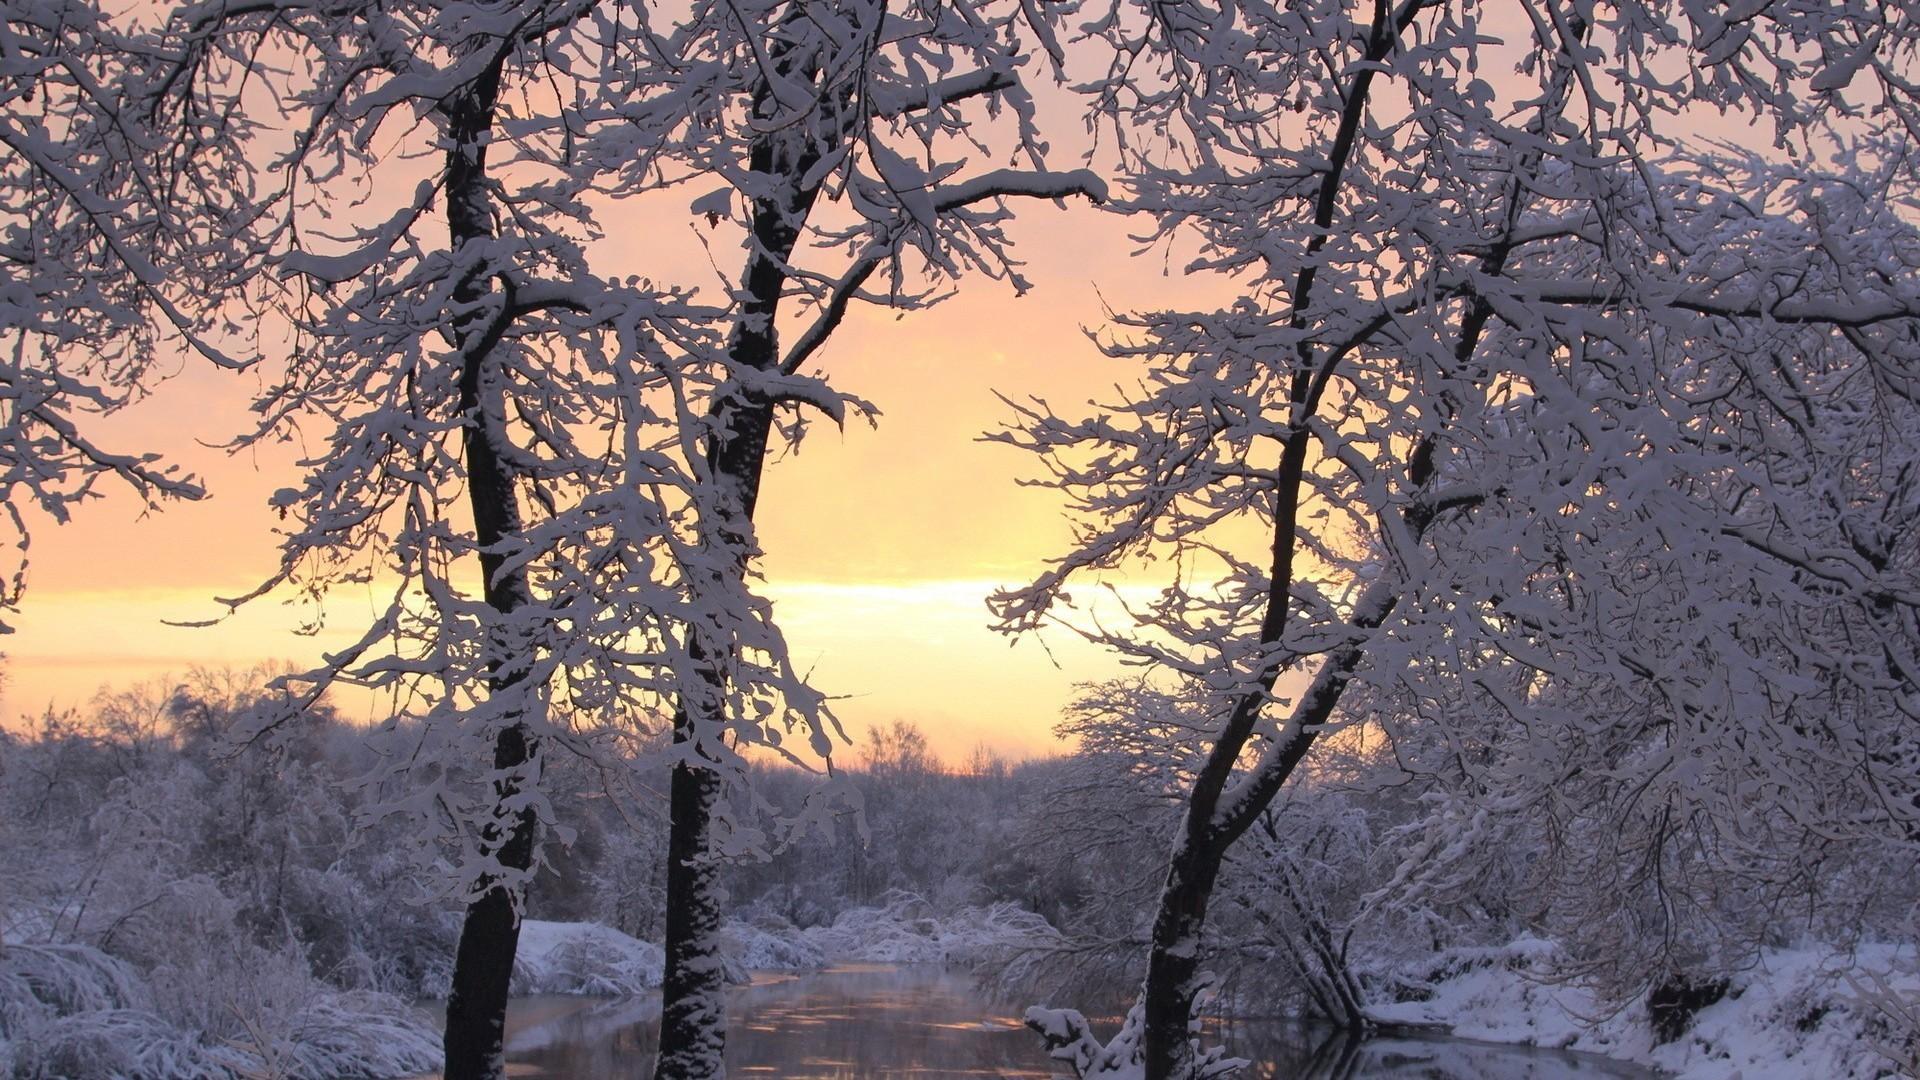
1591	441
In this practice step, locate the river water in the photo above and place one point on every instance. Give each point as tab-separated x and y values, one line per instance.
874	1022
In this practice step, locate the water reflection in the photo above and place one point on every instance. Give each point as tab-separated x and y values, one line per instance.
1294	1051
851	1023
871	1022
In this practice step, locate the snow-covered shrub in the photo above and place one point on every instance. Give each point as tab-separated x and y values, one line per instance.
339	1035
584	958
1070	1039
1891	1005
400	948
75	1012
53	980
900	931
120	1043
42	987
769	944
906	929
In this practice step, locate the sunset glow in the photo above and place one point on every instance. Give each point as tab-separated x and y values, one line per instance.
882	543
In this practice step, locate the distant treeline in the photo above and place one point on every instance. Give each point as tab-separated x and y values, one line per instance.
159	826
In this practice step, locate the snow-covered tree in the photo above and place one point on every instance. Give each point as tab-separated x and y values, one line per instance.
785	101
1594	441
551	474
500	432
103	277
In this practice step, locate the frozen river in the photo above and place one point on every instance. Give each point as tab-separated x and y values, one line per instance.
867	1022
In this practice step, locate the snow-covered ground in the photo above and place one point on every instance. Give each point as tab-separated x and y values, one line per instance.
1801	1014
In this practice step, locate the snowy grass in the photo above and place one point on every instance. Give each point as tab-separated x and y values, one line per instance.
1800	1013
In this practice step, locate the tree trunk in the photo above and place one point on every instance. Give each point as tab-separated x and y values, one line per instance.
693	1010
693	1002
692	1015
1173	963
474	1042
693	995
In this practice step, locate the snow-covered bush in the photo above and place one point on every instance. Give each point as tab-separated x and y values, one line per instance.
584	958
1070	1039
1891	1005
357	1033
769	944
73	1011
906	929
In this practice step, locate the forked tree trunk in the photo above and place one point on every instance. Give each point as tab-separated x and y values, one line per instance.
474	1042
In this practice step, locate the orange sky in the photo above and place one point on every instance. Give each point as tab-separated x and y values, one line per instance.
882	543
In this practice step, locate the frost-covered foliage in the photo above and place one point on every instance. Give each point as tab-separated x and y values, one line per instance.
1890	1000
958	838
73	1011
172	884
142	839
190	911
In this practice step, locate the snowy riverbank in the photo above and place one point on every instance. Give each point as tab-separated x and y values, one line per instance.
594	960
72	1011
1799	1013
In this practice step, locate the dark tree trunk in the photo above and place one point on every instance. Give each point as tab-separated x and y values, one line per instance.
1173	963
474	1042
693	1018
693	1031
693	996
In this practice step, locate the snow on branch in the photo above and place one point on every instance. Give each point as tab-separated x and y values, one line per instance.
890	102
